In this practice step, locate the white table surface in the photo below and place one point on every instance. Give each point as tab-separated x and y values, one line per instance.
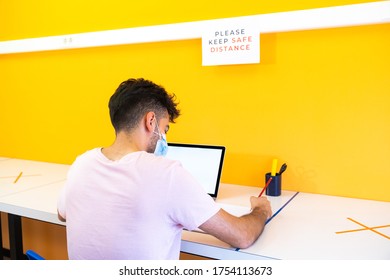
34	194
39	203
35	174
306	227
306	230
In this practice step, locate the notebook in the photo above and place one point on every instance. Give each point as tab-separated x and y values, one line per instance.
204	162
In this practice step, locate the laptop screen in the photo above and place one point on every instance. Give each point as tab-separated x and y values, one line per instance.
204	162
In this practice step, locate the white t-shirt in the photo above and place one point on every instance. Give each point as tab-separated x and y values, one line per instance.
133	208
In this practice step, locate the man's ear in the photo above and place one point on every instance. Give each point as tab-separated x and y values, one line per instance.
150	121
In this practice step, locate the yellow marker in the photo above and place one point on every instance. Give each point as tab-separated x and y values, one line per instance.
17	178
274	164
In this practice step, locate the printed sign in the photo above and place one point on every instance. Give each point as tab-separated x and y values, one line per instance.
236	45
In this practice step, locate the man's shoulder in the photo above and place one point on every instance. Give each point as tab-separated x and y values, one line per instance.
87	156
158	160
89	153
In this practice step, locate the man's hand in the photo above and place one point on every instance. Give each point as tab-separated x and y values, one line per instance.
262	205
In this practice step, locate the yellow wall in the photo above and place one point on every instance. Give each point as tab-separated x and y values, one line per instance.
319	100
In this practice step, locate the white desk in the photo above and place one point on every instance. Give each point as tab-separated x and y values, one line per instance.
327	227
34	174
39	203
304	226
308	227
28	189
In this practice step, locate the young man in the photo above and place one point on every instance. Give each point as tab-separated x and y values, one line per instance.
126	201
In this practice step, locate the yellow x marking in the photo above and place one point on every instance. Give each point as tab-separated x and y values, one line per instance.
365	228
19	176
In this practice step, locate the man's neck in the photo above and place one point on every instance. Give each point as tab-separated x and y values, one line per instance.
123	145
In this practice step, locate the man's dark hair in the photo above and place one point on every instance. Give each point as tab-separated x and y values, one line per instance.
134	98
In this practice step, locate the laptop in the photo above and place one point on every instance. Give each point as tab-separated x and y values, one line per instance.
204	162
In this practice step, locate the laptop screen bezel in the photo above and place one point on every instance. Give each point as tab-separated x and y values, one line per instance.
204	146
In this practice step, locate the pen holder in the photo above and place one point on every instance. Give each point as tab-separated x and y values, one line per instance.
275	186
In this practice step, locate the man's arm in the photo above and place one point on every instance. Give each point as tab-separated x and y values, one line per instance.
240	232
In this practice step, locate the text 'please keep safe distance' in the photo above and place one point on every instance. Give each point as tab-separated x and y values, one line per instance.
223	46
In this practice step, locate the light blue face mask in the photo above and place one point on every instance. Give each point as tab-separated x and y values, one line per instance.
161	145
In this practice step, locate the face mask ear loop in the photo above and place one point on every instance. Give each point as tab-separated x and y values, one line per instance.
158	129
